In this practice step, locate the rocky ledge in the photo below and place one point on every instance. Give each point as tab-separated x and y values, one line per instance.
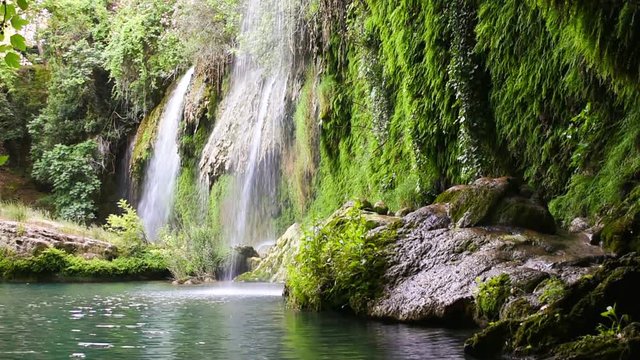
485	254
30	240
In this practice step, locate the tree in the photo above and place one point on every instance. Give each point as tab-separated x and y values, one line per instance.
10	22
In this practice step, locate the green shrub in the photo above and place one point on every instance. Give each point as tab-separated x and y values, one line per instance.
338	266
128	227
54	263
72	172
194	238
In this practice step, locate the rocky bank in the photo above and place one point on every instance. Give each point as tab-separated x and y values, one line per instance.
24	239
487	253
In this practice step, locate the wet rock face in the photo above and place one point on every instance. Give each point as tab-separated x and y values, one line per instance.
31	240
568	327
474	233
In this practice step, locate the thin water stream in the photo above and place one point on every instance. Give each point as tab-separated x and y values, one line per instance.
221	321
162	171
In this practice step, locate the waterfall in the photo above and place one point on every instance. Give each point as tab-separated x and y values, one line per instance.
162	171
249	136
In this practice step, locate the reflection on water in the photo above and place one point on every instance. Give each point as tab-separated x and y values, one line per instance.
221	321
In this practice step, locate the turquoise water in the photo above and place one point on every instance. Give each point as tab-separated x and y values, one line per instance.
220	321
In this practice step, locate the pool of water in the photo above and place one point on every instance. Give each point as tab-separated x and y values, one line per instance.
219	321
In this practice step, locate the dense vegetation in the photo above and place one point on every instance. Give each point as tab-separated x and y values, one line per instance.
420	95
399	100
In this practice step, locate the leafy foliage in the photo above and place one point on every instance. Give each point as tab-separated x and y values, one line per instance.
129	228
338	266
12	20
142	52
618	322
72	173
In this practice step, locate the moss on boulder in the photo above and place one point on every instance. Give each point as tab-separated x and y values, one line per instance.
470	205
564	327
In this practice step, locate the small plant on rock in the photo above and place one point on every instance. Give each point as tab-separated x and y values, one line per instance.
618	322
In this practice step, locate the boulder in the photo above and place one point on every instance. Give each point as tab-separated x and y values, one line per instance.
469	205
273	267
25	239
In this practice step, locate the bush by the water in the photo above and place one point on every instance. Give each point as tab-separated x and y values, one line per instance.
54	264
339	264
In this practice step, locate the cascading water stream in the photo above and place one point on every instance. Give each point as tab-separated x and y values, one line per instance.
161	174
249	136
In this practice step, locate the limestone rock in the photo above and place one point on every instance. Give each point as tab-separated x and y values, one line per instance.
30	240
433	267
273	268
578	225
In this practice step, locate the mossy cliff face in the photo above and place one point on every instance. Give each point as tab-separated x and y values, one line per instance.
414	96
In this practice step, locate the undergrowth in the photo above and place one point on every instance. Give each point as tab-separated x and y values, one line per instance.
338	265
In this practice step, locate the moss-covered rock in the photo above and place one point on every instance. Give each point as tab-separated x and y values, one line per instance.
490	342
470	205
622	234
57	265
144	140
491	295
569	326
600	347
273	268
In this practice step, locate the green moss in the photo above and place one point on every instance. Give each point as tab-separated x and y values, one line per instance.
519	308
598	347
54	264
491	295
553	289
145	139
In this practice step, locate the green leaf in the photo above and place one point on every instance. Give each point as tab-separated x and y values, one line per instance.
8	11
4	48
18	42
12	59
17	22
23	4
3	159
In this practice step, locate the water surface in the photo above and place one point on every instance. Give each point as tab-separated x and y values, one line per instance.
220	321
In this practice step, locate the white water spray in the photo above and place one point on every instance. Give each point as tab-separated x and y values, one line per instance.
162	171
249	136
